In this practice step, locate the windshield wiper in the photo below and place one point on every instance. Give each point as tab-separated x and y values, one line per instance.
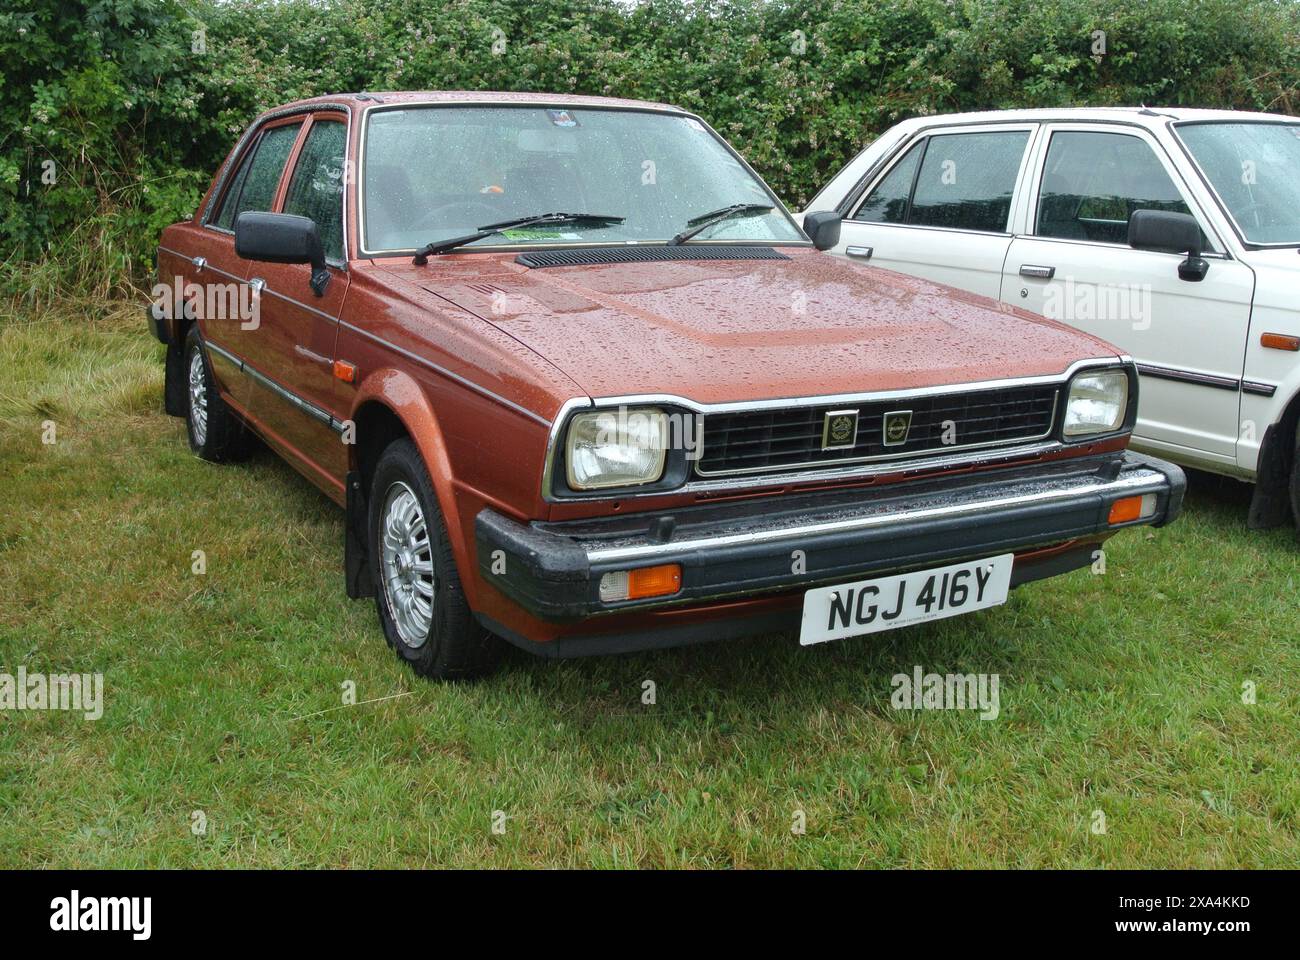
442	246
705	220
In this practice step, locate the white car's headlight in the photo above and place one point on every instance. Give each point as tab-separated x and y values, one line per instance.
616	448
1097	403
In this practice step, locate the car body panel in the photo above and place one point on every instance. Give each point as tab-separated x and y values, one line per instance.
480	359
649	328
1210	389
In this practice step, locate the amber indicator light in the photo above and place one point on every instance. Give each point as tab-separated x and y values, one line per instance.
654	581
1280	341
1122	511
345	371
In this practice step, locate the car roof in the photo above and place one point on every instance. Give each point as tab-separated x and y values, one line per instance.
1145	116
369	98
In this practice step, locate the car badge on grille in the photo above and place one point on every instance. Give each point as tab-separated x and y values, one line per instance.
839	429
897	425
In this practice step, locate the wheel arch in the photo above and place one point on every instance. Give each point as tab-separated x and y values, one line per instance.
1277	458
389	405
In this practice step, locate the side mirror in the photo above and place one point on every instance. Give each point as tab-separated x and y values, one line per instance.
823	228
1172	233
282	238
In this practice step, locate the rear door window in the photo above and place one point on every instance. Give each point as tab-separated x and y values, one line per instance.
253	187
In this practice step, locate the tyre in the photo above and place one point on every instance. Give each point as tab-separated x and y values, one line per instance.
215	433
1295	484
421	602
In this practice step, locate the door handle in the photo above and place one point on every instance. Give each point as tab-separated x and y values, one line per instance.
199	263
258	285
1034	270
861	253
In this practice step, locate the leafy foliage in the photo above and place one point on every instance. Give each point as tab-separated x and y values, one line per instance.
115	113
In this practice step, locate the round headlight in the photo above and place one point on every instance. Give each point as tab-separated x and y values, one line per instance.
1097	403
621	447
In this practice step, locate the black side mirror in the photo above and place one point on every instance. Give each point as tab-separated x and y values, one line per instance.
1171	233
823	228
282	238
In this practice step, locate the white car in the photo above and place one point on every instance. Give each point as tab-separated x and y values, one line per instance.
1040	209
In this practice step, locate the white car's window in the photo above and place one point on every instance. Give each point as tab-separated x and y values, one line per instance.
1252	166
888	202
965	182
967	179
433	173
1093	182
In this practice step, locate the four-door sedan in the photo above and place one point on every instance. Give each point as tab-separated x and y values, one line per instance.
581	382
1173	233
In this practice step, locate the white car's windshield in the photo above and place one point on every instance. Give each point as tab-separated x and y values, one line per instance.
1254	167
433	173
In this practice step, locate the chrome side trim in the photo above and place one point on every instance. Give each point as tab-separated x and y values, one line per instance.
1149	481
449	374
306	406
1258	388
423	361
206	265
1189	376
260	286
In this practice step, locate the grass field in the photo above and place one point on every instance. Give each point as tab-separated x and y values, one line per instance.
1120	693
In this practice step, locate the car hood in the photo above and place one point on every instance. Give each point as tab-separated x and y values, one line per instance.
717	331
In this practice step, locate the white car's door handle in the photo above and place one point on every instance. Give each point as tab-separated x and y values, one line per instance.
1034	270
862	253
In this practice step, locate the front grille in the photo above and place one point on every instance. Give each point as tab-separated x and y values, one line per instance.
791	437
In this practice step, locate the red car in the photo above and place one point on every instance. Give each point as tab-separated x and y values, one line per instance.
580	382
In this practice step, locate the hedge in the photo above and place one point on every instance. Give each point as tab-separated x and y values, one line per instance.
114	113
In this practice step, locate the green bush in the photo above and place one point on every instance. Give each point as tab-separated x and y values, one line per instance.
115	113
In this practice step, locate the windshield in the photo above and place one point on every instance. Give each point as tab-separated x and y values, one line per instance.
436	173
1254	167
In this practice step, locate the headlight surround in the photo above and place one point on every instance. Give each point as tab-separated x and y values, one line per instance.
1097	402
619	447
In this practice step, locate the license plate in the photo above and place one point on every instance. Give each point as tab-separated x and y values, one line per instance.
869	606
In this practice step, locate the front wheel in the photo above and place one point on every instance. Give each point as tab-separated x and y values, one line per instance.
421	603
215	433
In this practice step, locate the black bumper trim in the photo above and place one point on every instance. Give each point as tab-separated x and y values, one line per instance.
766	545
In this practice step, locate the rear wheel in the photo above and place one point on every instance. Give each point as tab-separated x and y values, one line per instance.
421	603
215	432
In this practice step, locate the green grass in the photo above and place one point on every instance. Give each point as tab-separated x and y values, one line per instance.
1119	693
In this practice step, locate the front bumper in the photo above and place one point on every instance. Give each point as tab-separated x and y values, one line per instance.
756	546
